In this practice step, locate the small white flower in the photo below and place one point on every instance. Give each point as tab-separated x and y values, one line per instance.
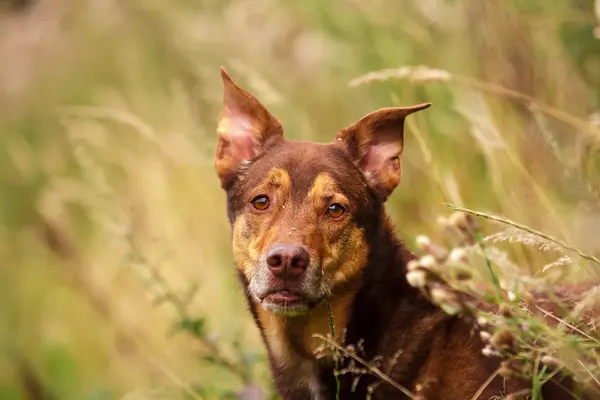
416	278
489	352
422	241
412	265
458	255
428	261
485	336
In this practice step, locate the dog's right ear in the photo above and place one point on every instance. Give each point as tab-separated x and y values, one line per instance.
245	130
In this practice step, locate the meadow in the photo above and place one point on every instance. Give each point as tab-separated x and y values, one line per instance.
116	273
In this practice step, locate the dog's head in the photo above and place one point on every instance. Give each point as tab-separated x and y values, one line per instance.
300	211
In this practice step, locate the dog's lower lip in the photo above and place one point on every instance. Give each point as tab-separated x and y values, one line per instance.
283	296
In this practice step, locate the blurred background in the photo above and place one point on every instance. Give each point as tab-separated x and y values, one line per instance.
116	274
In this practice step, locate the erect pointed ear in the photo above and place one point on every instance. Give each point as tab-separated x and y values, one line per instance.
375	143
245	130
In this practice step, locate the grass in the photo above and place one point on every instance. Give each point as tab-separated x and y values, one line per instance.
113	230
538	333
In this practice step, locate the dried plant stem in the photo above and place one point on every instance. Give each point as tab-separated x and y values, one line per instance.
426	74
181	309
571	326
373	369
527	229
523	98
484	385
336	360
60	244
488	263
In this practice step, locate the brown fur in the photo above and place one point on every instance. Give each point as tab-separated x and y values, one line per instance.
357	264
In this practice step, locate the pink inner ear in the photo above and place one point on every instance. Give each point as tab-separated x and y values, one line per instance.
378	154
240	131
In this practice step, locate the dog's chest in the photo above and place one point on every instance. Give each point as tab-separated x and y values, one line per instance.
298	379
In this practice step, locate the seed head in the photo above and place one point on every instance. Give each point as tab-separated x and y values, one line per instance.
503	340
462	274
487	351
417	278
412	265
505	310
551	361
459	255
428	261
485	336
527	298
446	300
423	242
462	221
511	369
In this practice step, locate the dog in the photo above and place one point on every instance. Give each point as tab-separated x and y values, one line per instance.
311	240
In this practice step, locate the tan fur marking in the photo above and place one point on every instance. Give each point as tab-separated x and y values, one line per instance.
252	234
319	321
275	334
344	254
324	189
339	237
277	181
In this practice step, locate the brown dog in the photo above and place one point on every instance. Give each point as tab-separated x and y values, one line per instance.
309	230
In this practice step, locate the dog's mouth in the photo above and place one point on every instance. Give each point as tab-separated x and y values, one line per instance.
287	302
283	296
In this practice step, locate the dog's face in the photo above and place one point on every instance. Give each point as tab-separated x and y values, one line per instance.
300	211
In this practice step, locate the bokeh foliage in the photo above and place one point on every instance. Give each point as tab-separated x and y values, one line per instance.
112	224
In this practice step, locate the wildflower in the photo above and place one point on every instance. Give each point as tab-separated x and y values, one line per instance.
487	351
417	278
510	369
503	340
485	336
428	261
460	220
464	223
463	274
505	310
551	361
458	255
412	265
423	242
446	300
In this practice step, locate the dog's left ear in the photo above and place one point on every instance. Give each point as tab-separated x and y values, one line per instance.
375	143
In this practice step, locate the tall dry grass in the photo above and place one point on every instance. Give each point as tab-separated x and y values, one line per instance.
116	274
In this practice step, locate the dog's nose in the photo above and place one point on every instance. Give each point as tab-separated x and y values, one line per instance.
287	260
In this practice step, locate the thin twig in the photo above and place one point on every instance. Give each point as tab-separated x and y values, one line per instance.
576	329
595	379
485	384
337	366
370	367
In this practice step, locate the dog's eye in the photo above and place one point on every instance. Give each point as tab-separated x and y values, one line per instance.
261	203
336	210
